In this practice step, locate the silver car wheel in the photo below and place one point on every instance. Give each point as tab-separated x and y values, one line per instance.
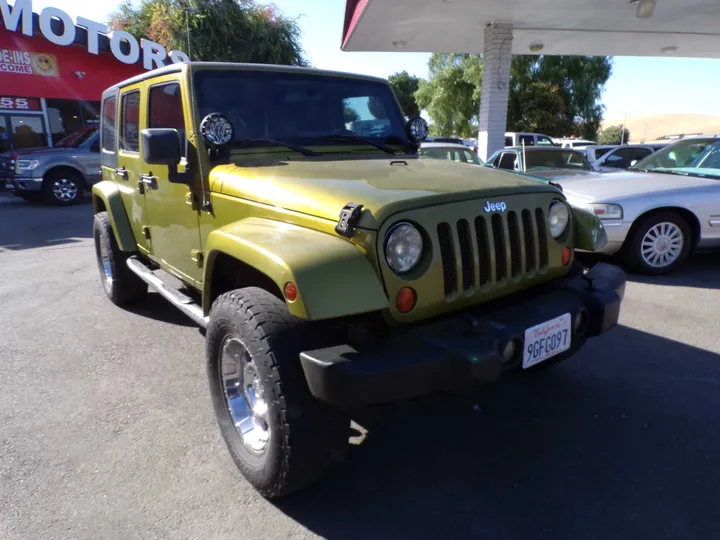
662	244
245	395
64	189
105	263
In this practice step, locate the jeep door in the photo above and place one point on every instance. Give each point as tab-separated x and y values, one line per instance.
172	217
121	155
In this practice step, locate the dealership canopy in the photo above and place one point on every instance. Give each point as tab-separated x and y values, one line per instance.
499	29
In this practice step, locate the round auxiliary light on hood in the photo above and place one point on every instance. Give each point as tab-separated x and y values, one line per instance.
216	130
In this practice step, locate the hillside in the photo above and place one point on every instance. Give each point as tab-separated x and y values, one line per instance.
649	128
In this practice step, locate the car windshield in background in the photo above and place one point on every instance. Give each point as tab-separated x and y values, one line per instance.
555	159
451	153
301	108
74	140
687	156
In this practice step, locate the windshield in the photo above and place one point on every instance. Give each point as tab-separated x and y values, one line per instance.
452	153
75	140
301	108
556	159
692	154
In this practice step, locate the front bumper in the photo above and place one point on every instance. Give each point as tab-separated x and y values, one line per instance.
450	353
22	183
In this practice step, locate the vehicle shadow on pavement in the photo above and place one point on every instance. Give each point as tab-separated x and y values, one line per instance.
701	271
157	308
26	225
588	449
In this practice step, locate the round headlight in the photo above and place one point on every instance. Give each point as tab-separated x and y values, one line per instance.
558	218
403	247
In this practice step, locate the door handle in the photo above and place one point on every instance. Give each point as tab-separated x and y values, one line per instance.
146	182
122	172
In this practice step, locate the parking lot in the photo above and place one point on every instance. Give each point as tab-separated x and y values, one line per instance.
107	429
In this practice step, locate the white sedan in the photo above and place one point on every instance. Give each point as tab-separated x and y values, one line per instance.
661	209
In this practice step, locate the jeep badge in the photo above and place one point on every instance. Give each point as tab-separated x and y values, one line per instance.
495	207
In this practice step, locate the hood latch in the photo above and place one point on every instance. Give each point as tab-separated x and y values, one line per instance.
349	216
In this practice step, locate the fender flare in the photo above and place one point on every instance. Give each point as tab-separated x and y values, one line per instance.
333	278
111	198
589	234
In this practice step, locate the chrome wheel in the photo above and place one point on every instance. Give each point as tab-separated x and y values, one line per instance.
662	244
104	261
64	189
245	395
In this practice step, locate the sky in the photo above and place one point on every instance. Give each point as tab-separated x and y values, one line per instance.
637	87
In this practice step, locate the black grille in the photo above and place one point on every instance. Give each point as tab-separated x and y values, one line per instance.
520	237
529	237
466	255
447	253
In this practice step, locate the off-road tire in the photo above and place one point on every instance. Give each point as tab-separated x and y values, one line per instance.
125	288
52	177
631	249
307	438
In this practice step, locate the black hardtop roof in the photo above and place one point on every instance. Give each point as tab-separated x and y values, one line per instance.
178	67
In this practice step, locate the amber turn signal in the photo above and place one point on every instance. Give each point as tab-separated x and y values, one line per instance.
290	291
566	256
405	299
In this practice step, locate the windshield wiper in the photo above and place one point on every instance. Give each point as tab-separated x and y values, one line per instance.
380	146
273	142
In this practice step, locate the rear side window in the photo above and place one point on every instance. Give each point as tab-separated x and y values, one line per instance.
130	122
108	124
507	161
529	140
508	141
166	110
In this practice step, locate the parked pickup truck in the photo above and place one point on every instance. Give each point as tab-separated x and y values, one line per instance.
330	269
58	176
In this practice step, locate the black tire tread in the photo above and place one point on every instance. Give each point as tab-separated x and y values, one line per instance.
127	288
314	436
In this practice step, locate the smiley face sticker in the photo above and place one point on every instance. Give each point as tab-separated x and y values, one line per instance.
44	64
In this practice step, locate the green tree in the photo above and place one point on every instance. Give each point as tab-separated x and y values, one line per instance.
539	108
558	95
349	114
219	30
579	81
614	135
451	95
405	85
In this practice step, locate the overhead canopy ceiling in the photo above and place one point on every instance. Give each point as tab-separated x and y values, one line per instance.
685	28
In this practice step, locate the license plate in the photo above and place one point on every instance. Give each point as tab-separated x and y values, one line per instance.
546	340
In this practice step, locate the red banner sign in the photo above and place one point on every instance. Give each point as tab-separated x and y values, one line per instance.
19	104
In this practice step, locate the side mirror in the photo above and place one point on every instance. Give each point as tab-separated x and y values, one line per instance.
161	146
95	147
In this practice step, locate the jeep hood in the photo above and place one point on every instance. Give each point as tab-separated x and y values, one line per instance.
383	187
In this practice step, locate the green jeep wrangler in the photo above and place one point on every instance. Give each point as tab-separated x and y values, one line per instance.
329	266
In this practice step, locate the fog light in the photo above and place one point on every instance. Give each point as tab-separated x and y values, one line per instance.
509	351
405	299
566	256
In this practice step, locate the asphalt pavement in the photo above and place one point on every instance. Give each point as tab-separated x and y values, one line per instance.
107	429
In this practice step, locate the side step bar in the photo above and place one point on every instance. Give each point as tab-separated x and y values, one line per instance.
181	301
